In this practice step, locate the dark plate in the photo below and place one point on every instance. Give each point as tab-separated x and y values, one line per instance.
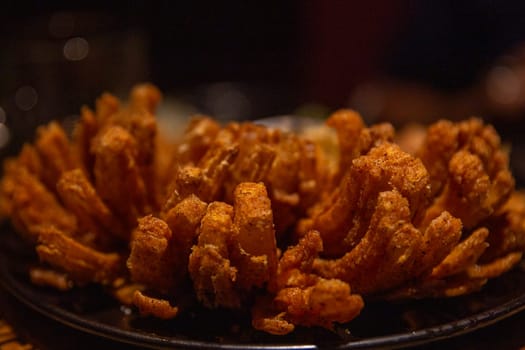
380	325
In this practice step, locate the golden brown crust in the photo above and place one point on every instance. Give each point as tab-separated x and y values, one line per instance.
343	218
117	175
149	306
254	235
31	205
506	228
83	133
52	145
236	250
50	278
80	197
303	298
296	228
150	260
392	251
468	169
210	267
354	138
197	140
81	263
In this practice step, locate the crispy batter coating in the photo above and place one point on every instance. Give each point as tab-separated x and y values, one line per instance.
460	272
118	178
143	127
494	268
310	175
439	145
210	267
145	97
84	132
354	138
165	165
50	278
506	229
197	139
285	162
137	119
255	249
204	181
163	224
106	106
30	159
160	249
81	263
294	180
343	218
151	260
247	152
392	251
303	298
79	196
52	145
464	255
251	165
348	125
32	205
468	169
184	221
236	250
149	306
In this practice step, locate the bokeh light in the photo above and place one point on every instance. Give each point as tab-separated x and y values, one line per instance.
226	101
4	135
26	98
76	49
503	85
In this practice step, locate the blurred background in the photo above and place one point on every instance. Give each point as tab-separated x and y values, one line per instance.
400	60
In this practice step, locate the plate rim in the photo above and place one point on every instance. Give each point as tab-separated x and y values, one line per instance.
422	336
